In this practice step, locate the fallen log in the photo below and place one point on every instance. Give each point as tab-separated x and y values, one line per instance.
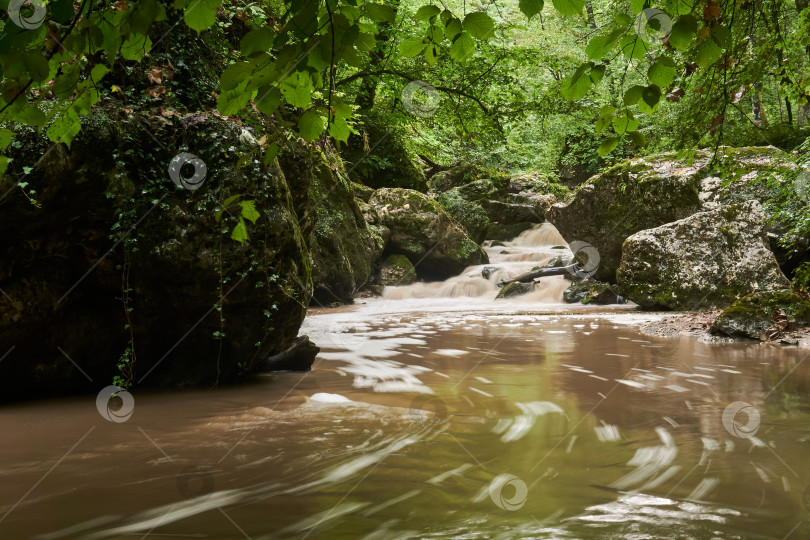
543	272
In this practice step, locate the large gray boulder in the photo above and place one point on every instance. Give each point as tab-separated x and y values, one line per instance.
420	229
644	193
707	260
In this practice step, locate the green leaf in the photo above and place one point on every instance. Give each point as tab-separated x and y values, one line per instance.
411	47
597	72
605	118
271	153
6	136
530	8
708	53
297	89
453	28
3	164
201	14
463	48
310	125
260	40
651	95
233	101
239	232
625	122
479	25
135	47
662	71
633	94
268	99
683	32
638	138
599	46
235	75
64	128
722	36
37	66
608	145
249	211
637	6
633	47
425	13
568	7
431	53
579	84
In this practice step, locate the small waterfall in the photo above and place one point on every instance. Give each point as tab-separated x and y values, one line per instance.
534	247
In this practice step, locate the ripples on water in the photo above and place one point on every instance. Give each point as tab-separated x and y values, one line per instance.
437	418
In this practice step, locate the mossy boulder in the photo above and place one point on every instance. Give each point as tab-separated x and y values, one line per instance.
592	292
640	194
343	247
506	231
472	217
707	260
755	313
465	174
516	288
112	220
436	244
397	270
362	192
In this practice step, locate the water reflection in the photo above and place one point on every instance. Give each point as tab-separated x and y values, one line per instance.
440	425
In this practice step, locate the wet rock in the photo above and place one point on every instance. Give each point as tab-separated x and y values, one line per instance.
708	260
516	288
420	229
487	271
297	357
343	247
362	192
472	217
176	260
592	292
397	270
627	198
756	313
506	232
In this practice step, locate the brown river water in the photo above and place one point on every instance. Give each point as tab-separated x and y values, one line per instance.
435	412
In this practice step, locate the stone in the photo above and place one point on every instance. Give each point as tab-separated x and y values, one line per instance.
757	312
516	288
705	261
397	270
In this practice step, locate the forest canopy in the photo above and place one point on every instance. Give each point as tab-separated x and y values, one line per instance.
518	85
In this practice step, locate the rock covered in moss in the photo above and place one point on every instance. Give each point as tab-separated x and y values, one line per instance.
177	261
362	192
707	260
755	313
472	217
436	244
516	288
627	198
397	270
644	193
343	247
592	292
